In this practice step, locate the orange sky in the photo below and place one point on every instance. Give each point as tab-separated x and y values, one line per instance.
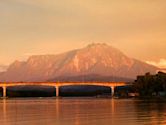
136	27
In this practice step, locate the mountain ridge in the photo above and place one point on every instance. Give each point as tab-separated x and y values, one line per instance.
100	59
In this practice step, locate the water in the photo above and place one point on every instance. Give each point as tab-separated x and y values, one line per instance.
81	111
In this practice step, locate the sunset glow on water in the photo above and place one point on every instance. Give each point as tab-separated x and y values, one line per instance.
81	111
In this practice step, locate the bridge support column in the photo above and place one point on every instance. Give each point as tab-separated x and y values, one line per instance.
4	91
112	90
57	91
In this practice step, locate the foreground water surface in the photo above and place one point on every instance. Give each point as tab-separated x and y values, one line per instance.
81	111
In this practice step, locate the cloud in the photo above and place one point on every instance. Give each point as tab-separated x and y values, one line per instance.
161	63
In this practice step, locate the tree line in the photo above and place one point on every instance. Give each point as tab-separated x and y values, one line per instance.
151	85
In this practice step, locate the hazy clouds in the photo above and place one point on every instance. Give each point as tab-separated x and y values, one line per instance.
137	27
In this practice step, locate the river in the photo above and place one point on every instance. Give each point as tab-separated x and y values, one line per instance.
81	111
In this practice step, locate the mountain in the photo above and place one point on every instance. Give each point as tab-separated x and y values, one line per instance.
3	68
99	59
90	78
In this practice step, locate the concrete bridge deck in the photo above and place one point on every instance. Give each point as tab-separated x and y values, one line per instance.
112	85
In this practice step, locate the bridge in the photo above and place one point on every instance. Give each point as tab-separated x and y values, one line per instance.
57	85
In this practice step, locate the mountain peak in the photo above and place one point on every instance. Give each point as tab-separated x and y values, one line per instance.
97	45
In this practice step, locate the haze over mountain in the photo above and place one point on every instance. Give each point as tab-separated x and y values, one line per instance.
96	62
3	68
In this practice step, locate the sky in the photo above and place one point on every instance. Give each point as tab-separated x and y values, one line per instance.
32	27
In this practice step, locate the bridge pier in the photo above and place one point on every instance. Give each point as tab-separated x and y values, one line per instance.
112	90
57	91
4	91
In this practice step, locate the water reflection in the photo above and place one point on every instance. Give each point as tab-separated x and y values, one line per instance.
81	111
152	111
4	109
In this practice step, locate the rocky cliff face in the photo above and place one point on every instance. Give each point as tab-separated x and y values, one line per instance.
99	59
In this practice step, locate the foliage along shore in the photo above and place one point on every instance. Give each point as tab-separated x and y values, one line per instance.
151	86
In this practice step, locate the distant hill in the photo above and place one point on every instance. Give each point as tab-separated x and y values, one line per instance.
90	78
106	62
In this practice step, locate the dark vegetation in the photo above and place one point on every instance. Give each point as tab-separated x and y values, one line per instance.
123	91
151	85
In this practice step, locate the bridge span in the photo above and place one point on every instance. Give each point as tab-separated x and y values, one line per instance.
112	85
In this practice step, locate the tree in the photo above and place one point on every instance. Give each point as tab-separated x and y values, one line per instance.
148	84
